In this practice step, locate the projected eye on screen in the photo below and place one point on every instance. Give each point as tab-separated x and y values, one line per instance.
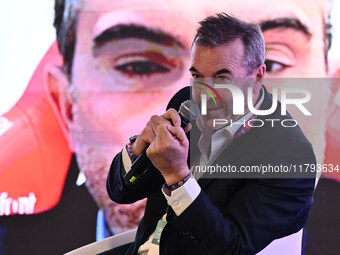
111	67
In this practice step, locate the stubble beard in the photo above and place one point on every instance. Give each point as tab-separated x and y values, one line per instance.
94	161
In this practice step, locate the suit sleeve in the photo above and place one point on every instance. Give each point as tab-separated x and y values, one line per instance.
151	181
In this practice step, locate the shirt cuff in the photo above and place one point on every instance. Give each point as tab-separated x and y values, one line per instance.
182	197
126	160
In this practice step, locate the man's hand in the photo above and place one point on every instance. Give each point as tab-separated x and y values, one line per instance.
169	152
149	132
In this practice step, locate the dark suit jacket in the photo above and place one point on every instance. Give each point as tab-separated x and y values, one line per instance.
230	216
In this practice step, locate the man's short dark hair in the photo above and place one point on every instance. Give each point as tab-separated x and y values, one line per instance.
223	29
66	26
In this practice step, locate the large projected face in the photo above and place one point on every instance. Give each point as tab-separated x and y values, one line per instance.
294	35
132	56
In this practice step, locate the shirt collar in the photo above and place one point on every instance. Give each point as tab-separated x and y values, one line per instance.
211	145
232	129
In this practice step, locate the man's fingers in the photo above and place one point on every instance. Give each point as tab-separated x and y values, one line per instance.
155	125
187	128
163	133
143	140
169	117
177	132
172	115
150	135
152	125
157	120
162	141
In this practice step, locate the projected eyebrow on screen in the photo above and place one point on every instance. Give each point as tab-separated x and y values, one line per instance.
124	31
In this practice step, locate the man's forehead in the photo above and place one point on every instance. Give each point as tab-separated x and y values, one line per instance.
215	58
210	7
234	47
137	5
180	18
176	11
308	12
142	22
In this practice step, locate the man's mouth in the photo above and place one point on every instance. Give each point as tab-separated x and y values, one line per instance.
212	105
215	108
215	111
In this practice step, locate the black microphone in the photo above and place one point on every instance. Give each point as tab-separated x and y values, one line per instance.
188	111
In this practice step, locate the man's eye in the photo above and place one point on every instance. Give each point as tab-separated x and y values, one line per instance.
274	66
141	68
195	76
222	79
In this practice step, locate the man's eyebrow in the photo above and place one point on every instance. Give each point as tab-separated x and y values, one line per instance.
285	23
193	69
126	31
221	71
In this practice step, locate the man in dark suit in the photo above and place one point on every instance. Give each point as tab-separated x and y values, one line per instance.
188	214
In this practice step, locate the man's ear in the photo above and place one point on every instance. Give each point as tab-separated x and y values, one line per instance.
334	72
259	74
58	86
334	68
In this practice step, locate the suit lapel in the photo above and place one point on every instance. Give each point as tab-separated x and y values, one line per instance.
233	152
